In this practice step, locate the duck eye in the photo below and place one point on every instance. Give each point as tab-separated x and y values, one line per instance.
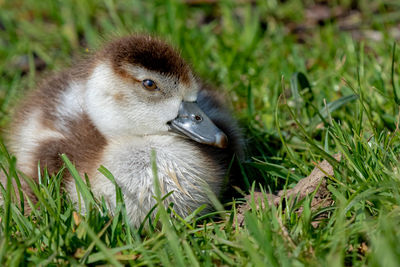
149	85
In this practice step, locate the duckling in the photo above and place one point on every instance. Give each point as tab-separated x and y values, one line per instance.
134	95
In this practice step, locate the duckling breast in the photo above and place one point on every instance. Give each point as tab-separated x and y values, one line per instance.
182	168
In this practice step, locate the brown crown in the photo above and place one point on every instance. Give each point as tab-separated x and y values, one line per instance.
147	52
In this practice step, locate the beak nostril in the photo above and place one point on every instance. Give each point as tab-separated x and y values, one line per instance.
198	118
195	124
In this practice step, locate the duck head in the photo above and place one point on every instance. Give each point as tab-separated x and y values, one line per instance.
139	86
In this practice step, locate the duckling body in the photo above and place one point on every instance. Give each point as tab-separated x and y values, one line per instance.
133	96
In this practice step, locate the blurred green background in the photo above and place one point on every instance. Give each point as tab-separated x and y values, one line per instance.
307	79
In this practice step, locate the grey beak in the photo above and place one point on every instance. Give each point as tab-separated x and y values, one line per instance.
195	124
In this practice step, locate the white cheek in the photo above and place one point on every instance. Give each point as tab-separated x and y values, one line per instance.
153	117
134	116
171	108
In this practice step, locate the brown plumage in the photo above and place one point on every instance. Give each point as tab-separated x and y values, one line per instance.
99	112
150	53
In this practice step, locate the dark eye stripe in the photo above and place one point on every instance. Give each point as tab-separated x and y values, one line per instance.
149	85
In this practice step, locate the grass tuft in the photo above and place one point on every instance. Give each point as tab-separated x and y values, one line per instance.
304	87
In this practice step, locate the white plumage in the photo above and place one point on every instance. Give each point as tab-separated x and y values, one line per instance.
105	112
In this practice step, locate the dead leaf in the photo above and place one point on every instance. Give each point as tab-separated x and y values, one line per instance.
363	249
318	13
76	217
306	186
